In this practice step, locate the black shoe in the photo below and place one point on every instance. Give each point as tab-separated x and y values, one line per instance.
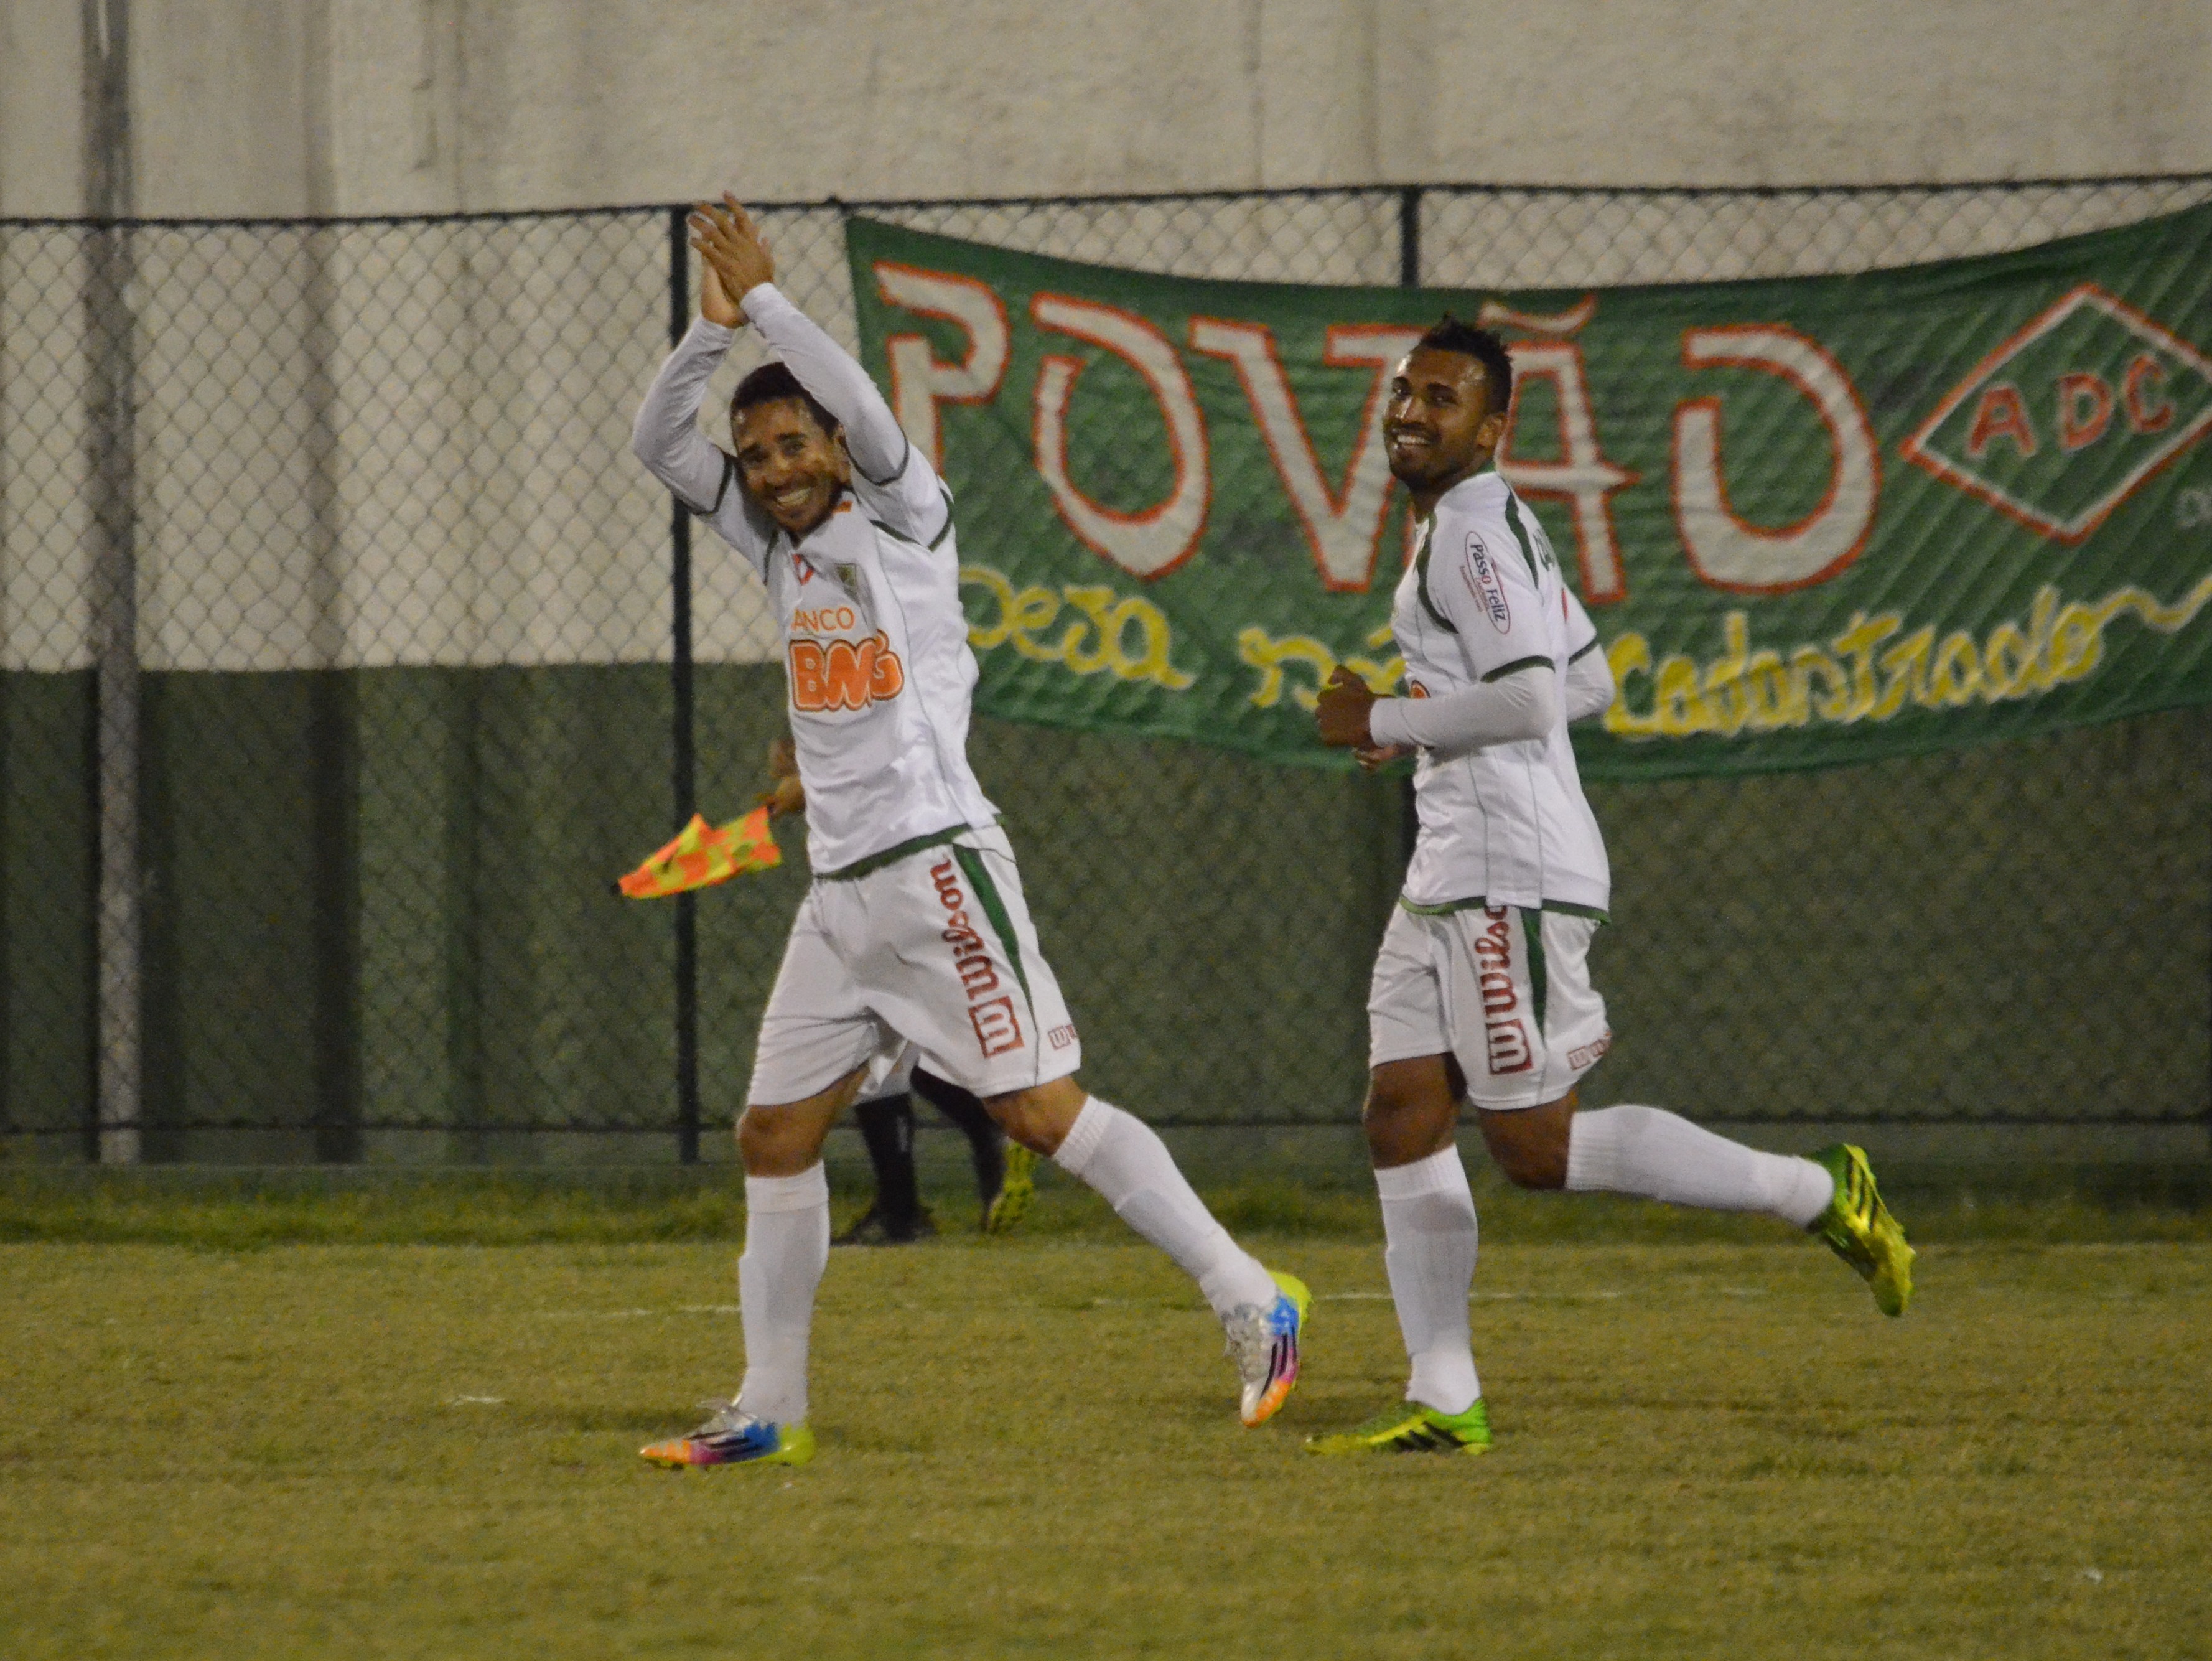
872	1228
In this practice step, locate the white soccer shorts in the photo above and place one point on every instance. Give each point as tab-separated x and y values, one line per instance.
935	949
1504	990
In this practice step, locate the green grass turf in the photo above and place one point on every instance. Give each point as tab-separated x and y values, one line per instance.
1028	1448
215	1209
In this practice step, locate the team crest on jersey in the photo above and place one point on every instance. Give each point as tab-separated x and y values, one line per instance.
1489	587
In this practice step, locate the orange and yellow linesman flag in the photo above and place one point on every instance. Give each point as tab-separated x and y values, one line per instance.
702	856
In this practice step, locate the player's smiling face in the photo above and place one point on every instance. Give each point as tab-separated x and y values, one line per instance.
789	464
1438	427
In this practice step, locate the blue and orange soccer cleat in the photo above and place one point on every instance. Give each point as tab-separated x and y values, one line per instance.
1264	1344
733	1437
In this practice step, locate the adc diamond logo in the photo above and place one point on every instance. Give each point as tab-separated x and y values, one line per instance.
2063	422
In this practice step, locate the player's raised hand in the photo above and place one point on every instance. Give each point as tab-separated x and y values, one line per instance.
732	246
715	303
1343	709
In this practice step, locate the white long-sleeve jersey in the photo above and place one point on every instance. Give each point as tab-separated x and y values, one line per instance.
876	654
1502	823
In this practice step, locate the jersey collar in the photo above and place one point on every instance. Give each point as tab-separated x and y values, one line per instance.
817	548
1476	490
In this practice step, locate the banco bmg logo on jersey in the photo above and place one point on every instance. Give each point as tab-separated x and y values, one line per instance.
2069	418
843	675
998	1025
1506	1035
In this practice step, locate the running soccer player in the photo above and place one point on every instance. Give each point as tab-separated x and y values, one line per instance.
1481	989
914	929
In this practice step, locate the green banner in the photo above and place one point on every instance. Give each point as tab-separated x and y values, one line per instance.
1816	520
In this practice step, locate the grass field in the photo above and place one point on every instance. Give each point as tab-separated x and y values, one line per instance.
1707	1445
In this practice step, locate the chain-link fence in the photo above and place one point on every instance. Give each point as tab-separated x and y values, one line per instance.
340	666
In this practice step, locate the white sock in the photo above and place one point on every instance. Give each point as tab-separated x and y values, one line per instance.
1649	1152
1123	1158
786	1248
1428	1222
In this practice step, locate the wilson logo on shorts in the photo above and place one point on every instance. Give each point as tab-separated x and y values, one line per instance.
998	1029
838	674
1506	1037
1590	1053
1060	1036
1508	1046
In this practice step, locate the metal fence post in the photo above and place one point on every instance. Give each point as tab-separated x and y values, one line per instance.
111	439
1409	237
1409	276
684	778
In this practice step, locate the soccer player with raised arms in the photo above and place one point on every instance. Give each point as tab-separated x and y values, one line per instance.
914	929
1481	989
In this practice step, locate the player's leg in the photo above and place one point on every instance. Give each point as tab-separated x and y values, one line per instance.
815	1040
959	968
1004	1184
1122	1159
1653	1154
894	1214
1429	1229
1535	971
885	1117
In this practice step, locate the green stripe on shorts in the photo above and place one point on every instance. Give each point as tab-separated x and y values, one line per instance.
987	896
1532	930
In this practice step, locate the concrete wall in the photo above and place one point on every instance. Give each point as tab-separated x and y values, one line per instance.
268	107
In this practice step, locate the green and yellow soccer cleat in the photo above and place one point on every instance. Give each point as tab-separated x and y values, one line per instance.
1858	1229
1410	1427
1017	1188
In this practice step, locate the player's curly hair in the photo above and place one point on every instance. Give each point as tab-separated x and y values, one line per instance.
1449	334
771	383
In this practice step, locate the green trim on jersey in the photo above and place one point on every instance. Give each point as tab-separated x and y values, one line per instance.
935	542
1520	534
1540	976
1564	908
875	863
1592	647
1421	582
987	896
1517	664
